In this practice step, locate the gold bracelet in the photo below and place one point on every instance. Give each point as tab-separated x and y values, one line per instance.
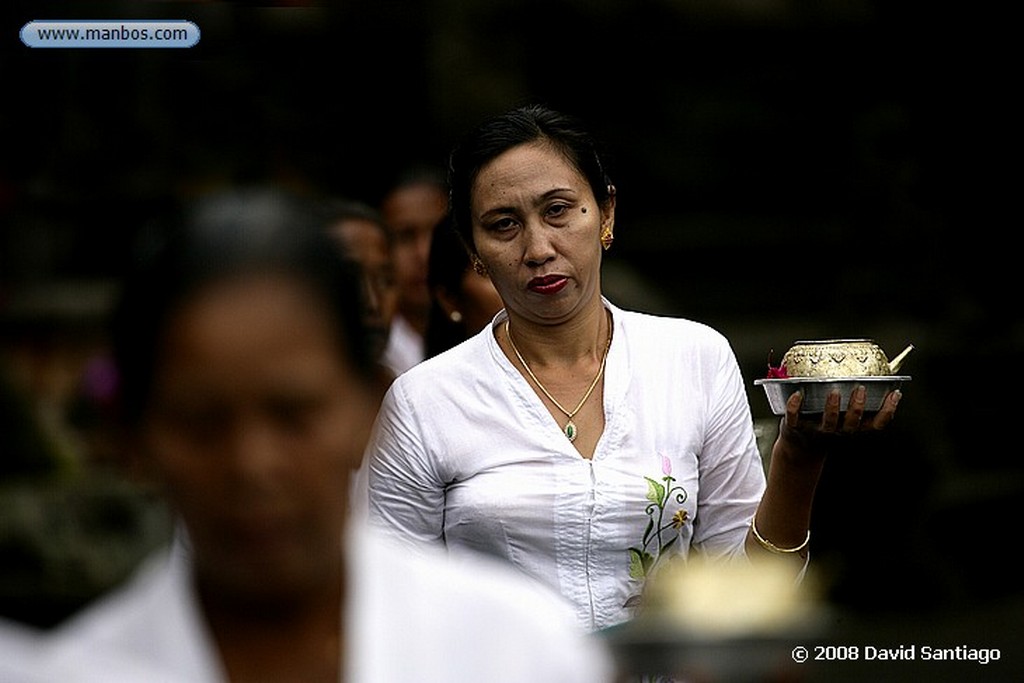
771	547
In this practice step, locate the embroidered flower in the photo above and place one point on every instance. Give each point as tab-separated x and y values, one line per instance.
654	544
679	519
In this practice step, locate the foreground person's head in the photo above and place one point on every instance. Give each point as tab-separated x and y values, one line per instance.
245	380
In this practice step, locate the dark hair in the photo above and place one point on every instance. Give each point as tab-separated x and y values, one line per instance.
236	232
419	174
336	209
513	128
446	266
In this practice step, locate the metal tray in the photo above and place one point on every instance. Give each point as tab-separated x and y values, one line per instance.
817	389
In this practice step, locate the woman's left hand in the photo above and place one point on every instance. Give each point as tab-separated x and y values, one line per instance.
853	419
812	434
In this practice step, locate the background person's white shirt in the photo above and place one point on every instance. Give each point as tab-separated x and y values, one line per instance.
405	347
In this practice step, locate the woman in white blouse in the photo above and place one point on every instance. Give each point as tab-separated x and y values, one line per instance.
581	442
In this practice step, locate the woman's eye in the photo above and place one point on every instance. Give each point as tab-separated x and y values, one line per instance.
194	421
503	224
557	210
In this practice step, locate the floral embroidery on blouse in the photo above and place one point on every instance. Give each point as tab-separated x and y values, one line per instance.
654	544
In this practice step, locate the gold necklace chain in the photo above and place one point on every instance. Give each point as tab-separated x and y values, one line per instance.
570	431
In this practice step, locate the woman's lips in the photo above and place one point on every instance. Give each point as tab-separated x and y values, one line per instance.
549	284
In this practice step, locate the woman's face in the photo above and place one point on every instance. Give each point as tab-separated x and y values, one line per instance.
255	423
537	227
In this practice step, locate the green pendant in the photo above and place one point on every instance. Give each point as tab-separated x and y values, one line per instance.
570	430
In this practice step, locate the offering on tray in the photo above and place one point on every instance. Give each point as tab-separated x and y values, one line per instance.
816	368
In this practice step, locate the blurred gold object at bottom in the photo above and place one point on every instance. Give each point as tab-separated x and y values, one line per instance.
723	620
729	598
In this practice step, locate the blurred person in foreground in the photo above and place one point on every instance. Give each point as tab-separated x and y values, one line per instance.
581	442
246	386
19	652
412	208
463	301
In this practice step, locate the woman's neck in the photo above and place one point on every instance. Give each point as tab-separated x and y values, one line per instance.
281	640
583	338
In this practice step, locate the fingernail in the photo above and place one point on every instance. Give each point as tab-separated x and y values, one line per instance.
896	396
860	392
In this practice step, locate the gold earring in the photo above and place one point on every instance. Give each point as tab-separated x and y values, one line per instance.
607	237
479	267
455	317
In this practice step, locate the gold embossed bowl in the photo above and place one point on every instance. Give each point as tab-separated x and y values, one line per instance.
816	368
840	358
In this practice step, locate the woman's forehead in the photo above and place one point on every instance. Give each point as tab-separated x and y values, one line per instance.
534	168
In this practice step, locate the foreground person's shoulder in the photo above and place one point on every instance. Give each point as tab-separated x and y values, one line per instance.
473	617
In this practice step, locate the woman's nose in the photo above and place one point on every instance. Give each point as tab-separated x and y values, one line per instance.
256	460
538	248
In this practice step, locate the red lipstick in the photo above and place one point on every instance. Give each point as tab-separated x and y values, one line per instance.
547	284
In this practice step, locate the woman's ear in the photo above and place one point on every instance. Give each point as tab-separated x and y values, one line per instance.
608	208
608	219
479	266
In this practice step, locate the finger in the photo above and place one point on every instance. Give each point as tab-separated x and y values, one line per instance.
830	418
855	410
887	412
793	404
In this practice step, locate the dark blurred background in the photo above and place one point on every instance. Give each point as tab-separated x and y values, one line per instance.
785	170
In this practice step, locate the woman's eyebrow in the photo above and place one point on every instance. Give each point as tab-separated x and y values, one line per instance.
497	210
554	191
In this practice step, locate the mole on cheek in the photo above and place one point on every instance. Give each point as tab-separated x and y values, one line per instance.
583	210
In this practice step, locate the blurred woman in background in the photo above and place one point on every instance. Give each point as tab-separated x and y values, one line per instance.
412	207
360	232
463	300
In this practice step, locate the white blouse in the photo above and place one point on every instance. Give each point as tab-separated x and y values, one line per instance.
465	453
411	617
